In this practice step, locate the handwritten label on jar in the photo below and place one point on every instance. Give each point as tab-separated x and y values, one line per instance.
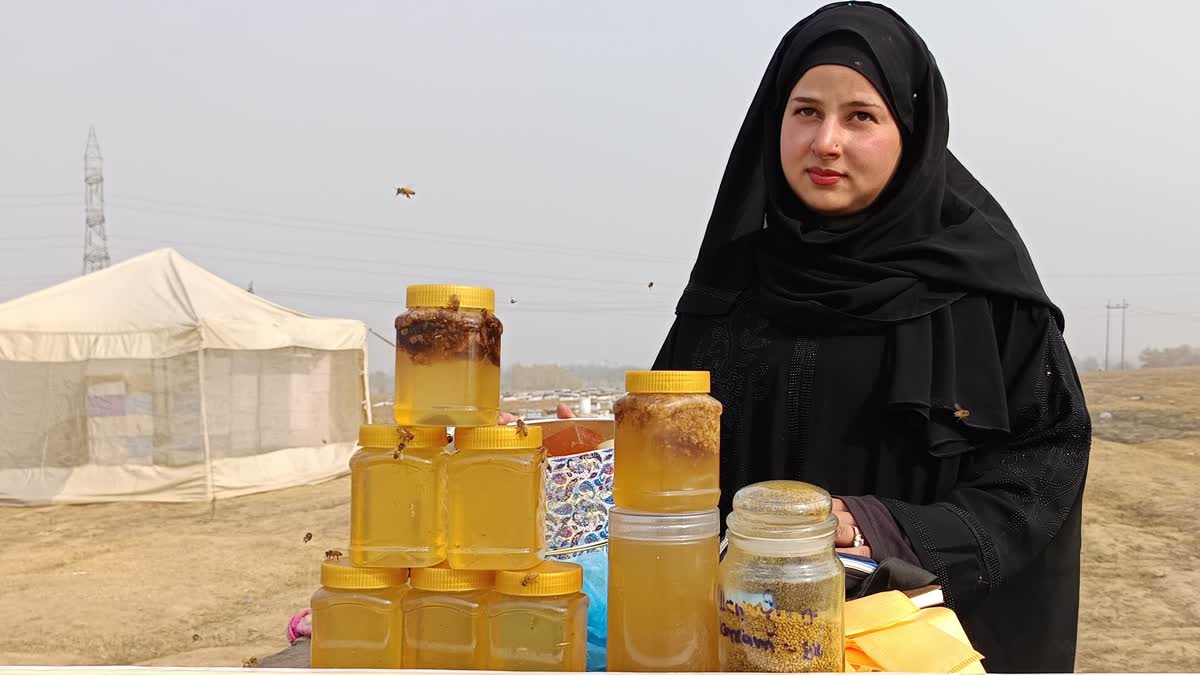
766	638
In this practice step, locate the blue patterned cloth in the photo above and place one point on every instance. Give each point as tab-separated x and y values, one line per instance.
578	497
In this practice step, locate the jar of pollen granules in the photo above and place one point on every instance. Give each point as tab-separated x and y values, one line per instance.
782	586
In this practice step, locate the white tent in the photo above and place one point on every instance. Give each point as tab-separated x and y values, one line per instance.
156	380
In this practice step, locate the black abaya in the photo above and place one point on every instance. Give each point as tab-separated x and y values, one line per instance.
907	353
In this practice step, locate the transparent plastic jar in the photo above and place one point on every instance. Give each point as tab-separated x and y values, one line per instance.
445	619
782	585
662	591
668	443
357	620
537	620
448	358
495	501
397	496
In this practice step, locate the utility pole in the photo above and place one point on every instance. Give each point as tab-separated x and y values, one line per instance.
1107	324
95	239
1124	306
1109	307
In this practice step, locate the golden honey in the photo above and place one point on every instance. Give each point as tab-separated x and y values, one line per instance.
397	497
448	358
445	619
668	443
537	620
662	591
357	619
495	499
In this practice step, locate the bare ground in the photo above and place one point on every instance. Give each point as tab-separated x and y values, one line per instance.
183	585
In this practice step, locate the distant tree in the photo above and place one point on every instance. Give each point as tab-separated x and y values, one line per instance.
383	385
541	377
608	377
1170	357
1090	364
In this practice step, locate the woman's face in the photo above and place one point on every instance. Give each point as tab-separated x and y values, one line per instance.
838	142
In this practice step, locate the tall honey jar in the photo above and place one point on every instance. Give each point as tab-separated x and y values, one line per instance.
668	443
448	357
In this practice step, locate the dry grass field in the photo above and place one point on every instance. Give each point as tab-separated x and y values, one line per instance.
182	585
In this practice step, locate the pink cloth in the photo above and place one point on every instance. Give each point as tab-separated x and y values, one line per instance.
300	626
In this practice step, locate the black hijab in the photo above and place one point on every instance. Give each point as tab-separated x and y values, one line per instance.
920	261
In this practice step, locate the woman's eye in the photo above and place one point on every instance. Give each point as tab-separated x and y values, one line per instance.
806	112
861	116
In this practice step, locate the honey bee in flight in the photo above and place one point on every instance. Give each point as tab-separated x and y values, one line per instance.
405	191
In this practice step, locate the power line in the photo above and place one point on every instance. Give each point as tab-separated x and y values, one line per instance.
1148	310
1123	275
38	205
38	195
389	342
40	237
294	222
571	309
386	266
408	233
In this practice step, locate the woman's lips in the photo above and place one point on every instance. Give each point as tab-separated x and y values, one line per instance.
825	177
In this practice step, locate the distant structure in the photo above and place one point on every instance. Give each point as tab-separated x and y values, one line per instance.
95	239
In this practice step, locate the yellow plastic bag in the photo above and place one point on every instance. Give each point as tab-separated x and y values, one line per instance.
888	632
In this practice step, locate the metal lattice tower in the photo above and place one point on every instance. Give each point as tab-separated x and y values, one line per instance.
95	239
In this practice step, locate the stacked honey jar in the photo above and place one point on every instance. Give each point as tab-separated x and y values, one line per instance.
774	604
445	567
447	535
663	546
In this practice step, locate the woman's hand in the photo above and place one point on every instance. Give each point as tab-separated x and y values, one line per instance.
564	413
848	531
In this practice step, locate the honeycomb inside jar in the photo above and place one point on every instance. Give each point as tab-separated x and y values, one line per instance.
667	454
447	367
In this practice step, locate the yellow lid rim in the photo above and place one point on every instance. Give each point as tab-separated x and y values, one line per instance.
342	575
508	437
549	578
389	436
450	295
441	577
668	382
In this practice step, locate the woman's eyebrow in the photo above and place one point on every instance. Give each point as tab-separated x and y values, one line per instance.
857	103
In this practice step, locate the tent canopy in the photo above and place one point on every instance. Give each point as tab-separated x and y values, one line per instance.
155	306
157	380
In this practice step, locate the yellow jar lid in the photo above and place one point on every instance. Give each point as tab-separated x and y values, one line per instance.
441	578
441	295
388	436
498	438
667	382
341	574
548	578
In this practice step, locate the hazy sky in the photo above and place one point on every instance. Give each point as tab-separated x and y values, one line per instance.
565	153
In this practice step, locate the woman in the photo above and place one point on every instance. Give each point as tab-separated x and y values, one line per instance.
874	325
